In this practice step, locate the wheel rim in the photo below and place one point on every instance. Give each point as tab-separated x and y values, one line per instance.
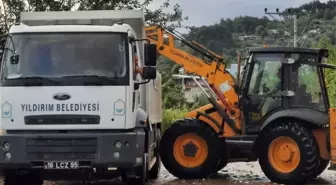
284	154
190	150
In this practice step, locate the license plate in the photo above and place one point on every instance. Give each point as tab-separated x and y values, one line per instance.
61	165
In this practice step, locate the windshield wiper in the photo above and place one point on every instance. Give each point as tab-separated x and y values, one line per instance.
92	77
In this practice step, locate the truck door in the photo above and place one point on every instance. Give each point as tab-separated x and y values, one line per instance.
136	92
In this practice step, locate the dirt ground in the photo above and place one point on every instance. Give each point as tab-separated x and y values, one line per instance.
233	174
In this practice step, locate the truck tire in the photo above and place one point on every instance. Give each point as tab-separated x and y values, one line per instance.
321	167
189	149
11	180
154	172
141	175
288	153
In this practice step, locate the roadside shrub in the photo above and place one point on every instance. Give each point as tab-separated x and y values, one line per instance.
171	115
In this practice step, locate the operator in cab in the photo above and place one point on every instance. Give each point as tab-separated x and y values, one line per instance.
136	67
270	102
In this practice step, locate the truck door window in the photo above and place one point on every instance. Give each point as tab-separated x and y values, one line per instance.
134	58
136	93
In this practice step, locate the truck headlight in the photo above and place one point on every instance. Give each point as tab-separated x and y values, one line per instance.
116	155
3	132
8	156
118	144
6	146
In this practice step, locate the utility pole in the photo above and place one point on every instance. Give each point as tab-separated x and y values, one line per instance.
295	30
286	13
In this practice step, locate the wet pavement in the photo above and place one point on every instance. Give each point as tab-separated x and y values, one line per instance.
233	174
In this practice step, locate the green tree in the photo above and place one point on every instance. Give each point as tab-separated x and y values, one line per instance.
158	16
330	75
327	14
260	30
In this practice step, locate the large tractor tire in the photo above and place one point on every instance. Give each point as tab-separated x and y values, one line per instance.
189	149
321	167
288	153
221	164
223	160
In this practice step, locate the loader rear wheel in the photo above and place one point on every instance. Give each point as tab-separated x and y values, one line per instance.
288	153
189	149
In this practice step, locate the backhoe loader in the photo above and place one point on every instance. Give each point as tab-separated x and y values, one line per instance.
277	112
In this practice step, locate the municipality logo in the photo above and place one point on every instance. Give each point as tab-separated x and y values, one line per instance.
119	107
6	110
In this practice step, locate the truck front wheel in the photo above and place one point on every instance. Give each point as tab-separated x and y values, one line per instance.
141	175
154	172
288	153
190	149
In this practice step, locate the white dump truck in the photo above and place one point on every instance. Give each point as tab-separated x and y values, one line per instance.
72	105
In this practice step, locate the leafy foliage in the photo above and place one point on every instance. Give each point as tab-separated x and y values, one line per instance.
159	16
330	75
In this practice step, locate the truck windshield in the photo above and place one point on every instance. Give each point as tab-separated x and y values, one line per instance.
59	55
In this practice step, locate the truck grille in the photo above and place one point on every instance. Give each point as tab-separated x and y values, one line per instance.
62	120
42	149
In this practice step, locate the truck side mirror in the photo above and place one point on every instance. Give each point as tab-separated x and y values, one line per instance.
150	54
149	73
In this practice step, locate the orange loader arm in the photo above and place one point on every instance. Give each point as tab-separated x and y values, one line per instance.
213	69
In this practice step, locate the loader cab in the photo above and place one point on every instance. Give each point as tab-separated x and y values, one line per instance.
284	81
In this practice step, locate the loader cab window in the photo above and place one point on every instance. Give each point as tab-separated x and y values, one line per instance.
306	83
266	75
264	85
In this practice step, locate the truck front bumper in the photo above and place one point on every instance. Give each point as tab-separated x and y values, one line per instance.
96	150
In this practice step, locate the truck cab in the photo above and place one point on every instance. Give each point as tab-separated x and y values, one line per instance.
71	99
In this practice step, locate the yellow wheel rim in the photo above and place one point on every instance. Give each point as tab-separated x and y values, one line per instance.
190	150
284	154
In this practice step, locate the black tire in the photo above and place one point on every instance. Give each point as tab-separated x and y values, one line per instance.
221	164
11	180
180	128
321	167
309	154
141	175
223	161
154	172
